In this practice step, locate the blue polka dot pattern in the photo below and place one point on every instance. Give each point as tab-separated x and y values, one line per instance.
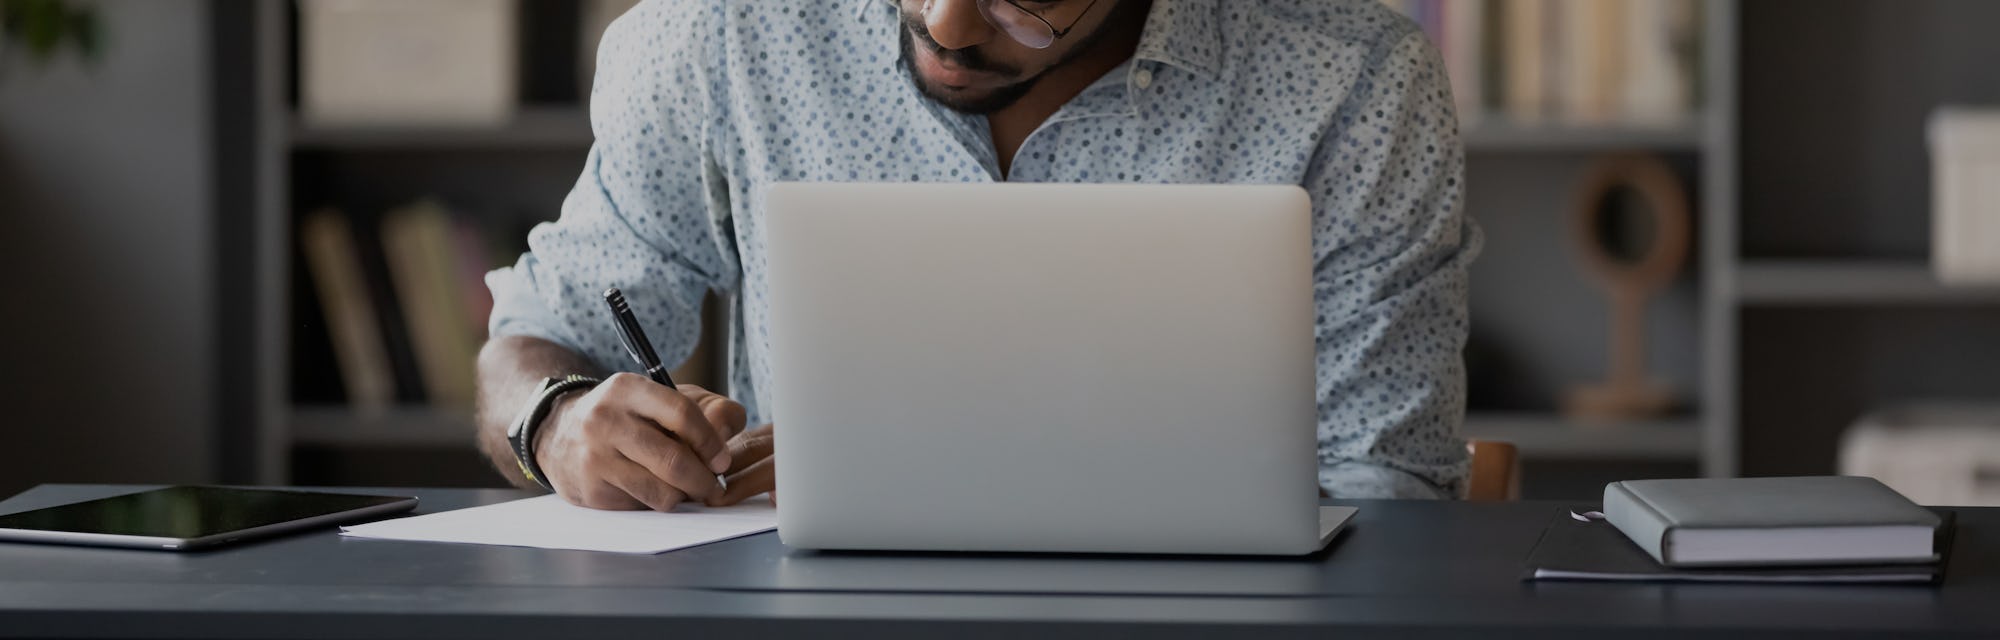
698	104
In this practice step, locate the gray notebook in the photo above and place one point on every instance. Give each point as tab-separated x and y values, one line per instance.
1825	520
1593	550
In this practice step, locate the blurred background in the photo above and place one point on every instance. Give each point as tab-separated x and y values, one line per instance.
243	239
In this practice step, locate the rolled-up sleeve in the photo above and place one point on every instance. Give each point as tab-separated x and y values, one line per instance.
650	212
1391	248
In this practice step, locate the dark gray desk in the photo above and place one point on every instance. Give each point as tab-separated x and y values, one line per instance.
1404	570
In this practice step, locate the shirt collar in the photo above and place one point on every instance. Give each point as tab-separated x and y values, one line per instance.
1185	34
1182	33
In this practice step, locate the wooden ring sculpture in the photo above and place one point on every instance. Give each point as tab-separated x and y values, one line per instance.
1629	393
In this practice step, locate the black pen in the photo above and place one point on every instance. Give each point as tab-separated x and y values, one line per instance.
636	344
641	349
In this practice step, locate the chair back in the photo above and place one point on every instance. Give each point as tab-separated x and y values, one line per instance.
1496	471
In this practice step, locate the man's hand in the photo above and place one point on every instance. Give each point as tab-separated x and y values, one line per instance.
752	469
631	443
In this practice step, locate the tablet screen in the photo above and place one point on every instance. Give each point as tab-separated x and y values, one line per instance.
189	512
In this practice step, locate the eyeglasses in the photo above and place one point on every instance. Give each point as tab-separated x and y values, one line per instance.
1024	26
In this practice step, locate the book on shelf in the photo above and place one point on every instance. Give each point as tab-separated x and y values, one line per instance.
418	244
1662	61
1568	62
405	301
327	241
1524	58
1458	28
1595	60
1462	32
388	309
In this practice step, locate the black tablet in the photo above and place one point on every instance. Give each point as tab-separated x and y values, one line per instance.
183	518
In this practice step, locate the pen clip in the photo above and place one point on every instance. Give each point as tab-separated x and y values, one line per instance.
631	344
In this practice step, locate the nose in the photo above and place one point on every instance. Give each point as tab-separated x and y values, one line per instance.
956	24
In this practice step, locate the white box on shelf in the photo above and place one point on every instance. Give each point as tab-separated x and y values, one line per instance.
1965	195
1935	453
405	62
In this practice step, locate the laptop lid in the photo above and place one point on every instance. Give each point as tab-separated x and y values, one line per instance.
1043	367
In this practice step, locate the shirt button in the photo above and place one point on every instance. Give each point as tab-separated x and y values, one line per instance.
1143	78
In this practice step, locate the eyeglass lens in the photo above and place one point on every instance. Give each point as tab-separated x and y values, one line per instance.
1017	23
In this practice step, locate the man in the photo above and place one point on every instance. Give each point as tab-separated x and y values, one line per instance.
699	104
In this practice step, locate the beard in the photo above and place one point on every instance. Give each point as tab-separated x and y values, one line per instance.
916	35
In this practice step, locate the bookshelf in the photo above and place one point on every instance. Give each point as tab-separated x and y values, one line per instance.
1837	310
533	158
1527	348
1812	300
500	178
1539	323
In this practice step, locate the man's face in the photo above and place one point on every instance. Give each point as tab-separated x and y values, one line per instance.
965	63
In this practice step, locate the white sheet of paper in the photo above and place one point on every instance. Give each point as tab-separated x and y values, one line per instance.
548	522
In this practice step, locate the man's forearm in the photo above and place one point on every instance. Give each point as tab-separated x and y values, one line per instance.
510	368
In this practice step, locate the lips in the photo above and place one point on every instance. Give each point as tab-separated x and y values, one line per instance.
944	72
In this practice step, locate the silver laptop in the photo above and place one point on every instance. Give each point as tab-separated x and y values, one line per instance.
1051	368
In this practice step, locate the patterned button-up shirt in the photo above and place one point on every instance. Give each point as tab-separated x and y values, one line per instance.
699	104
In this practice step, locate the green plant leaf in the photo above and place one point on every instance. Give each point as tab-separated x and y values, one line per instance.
43	28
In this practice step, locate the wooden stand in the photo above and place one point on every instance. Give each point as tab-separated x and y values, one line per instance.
1628	392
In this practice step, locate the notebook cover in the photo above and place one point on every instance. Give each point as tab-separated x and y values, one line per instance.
1596	551
1763	503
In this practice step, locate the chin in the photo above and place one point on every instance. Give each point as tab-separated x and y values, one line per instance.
968	94
974	100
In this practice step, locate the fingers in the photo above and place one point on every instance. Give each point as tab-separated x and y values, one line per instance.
749	447
599	494
677	414
754	470
755	478
724	413
634	444
668	460
606	497
642	489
